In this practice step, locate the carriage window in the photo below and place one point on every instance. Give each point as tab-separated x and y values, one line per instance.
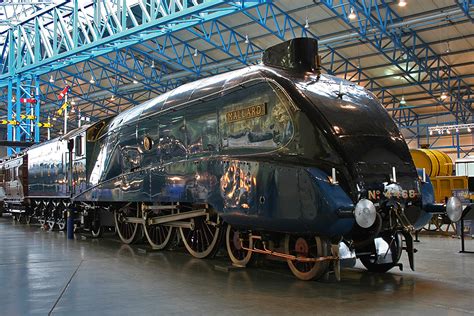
255	116
78	145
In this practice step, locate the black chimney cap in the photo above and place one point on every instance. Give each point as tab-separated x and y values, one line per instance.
298	54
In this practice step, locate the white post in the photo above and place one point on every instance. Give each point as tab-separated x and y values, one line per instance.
49	131
65	116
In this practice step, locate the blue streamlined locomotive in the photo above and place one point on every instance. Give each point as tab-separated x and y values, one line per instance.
278	159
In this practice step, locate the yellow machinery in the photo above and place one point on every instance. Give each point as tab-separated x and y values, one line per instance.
435	162
439	167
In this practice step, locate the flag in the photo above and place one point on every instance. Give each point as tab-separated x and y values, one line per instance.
63	93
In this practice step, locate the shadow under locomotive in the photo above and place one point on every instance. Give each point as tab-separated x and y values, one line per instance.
277	159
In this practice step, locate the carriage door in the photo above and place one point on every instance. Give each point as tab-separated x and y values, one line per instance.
79	165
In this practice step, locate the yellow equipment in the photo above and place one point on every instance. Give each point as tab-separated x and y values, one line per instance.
439	167
444	186
435	162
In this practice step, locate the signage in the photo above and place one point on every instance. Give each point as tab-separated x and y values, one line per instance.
246	113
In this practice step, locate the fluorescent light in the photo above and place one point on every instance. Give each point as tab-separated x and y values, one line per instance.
402	3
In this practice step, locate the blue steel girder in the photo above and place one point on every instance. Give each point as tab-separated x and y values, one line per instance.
424	61
283	26
22	115
467	6
52	104
30	49
127	74
238	46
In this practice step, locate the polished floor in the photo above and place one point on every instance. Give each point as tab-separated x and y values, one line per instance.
44	273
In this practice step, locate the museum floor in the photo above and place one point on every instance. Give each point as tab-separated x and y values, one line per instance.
43	272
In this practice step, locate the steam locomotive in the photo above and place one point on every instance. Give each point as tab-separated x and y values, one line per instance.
277	159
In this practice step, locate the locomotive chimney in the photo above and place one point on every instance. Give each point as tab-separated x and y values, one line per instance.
298	54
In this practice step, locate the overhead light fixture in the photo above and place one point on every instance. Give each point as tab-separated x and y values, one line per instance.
247	39
152	64
92	81
73	102
306	24
450	128
195	52
54	118
352	15
402	3
135	80
112	98
13	100
402	101
443	96
448	49
51	79
431	133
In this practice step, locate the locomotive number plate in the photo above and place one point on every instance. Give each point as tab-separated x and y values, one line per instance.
246	113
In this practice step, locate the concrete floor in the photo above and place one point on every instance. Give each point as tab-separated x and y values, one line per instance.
43	272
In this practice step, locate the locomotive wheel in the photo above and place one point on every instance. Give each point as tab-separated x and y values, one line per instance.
61	222
203	240
51	222
238	255
370	261
307	247
434	224
126	231
159	236
29	219
96	229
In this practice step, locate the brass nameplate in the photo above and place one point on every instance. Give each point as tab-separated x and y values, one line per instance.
246	113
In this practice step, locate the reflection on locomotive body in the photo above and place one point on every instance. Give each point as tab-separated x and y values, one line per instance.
201	186
277	158
238	187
